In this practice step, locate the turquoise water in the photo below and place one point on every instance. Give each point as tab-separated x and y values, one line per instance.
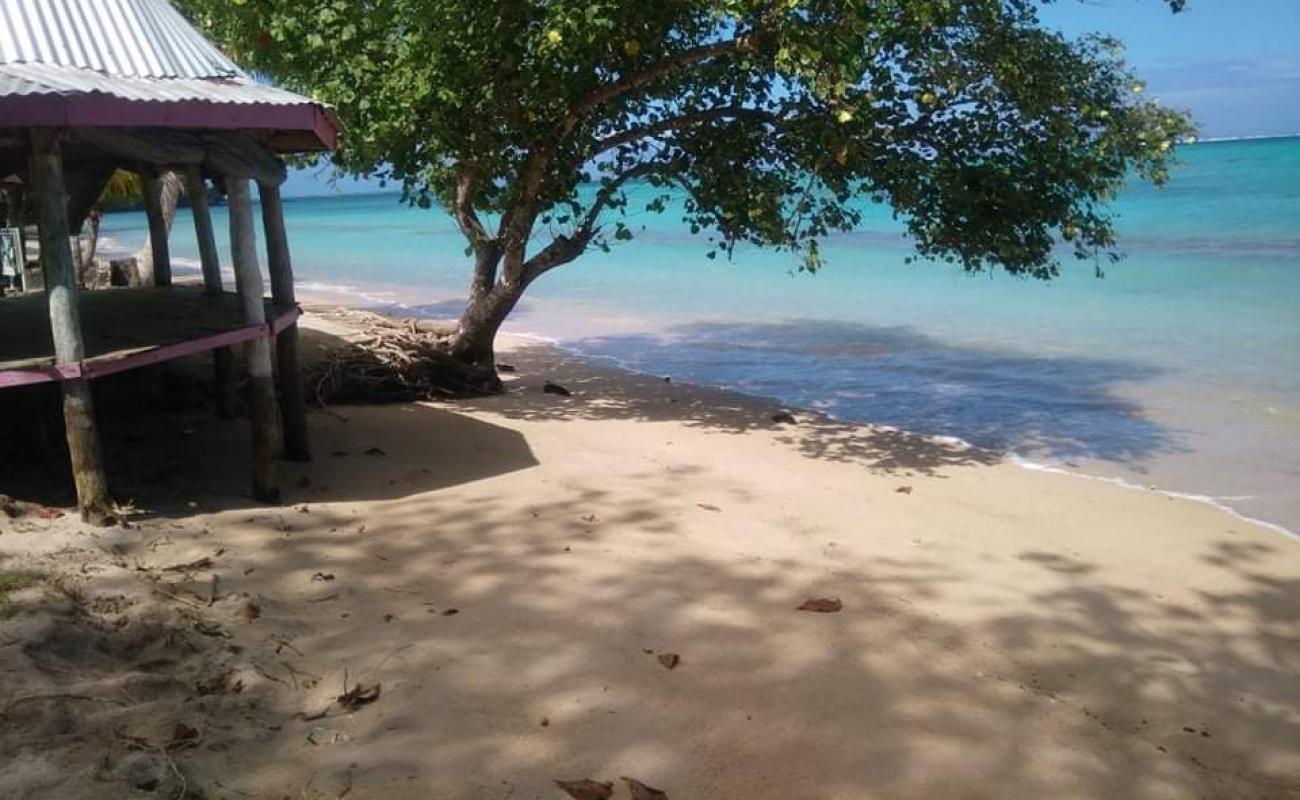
1179	369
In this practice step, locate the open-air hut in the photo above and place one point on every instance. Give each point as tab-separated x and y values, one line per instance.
91	86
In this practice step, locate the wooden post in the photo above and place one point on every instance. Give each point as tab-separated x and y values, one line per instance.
93	499
262	412
158	231
223	358
293	407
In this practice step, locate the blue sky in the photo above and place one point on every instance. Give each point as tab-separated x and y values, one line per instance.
1235	64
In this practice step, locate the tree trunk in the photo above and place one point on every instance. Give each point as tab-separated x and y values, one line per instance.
485	311
169	198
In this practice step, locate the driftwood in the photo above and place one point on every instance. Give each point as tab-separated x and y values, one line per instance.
392	361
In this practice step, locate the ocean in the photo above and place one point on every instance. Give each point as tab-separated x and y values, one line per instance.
1178	370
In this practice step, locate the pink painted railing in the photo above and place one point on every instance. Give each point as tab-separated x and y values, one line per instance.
108	365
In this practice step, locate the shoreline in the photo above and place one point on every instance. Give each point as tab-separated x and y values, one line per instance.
403	300
390	302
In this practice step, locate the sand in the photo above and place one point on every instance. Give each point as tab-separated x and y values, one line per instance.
509	570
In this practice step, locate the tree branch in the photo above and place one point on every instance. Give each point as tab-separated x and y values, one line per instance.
636	80
518	221
564	249
683	121
466	217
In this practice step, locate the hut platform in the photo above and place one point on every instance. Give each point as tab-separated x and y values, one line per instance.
127	328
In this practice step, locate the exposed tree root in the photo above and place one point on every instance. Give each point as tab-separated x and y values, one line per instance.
394	360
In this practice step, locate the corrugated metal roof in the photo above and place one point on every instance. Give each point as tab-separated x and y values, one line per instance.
133	38
106	63
18	80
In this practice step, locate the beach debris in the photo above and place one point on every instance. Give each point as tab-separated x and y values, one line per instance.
642	792
587	789
322	576
708	506
903	490
555	388
546	722
210	629
13	509
184	737
451	612
821	605
250	611
320	735
667	379
191	566
669	660
506	368
359	696
220	683
784	417
376	451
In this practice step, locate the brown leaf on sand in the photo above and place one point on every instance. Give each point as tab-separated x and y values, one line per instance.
670	660
642	792
707	506
183	738
821	605
904	490
359	696
250	612
586	789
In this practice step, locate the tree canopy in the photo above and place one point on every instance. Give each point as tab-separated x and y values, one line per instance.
990	135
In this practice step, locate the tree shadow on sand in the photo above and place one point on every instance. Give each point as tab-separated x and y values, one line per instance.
1080	688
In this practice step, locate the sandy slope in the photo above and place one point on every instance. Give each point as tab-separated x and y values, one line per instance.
1003	633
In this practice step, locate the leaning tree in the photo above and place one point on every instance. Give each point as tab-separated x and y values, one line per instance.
992	136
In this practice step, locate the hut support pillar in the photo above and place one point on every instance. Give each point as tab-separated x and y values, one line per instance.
223	358
158	231
262	412
93	500
293	407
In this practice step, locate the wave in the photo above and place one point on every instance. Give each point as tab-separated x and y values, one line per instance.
1217	502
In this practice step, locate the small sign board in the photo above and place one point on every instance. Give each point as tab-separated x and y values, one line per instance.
11	258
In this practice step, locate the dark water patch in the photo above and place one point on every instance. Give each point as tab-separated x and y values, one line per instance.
1058	407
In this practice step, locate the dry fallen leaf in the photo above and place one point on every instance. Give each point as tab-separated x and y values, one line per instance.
642	792
708	506
670	660
250	612
904	490
586	789
821	605
359	696
183	738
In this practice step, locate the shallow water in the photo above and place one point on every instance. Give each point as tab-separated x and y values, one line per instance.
1180	368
